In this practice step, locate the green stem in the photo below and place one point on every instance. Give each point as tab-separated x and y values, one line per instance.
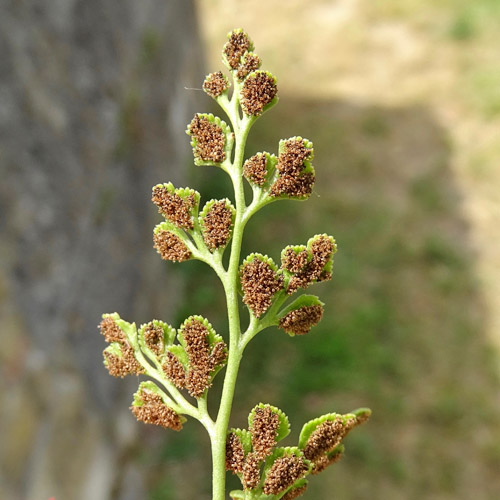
241	127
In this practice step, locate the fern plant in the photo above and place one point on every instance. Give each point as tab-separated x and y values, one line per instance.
182	363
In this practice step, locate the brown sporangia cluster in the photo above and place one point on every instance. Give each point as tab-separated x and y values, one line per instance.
250	63
118	366
238	44
296	187
209	138
325	438
258	91
263	431
294	493
251	472
300	321
203	360
283	473
294	261
174	370
292	180
125	365
235	454
153	337
170	246
155	411
215	84
325	461
255	169
259	283
111	331
174	208
312	270
323	447
217	225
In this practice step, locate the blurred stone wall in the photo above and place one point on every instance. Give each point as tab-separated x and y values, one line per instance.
93	108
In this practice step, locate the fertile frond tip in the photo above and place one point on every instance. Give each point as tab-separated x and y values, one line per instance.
238	43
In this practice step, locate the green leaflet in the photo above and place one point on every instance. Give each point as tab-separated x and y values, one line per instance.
229	58
168	336
361	415
187	194
237	495
219	126
179	351
216	233
129	329
262	258
298	484
301	301
145	386
309	427
280	452
284	425
213	337
115	349
245	438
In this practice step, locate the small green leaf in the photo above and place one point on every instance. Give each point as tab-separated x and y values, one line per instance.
129	330
258	93
180	353
259	170
302	301
238	44
328	266
145	386
217	221
207	131
168	335
300	483
361	415
170	200
237	495
149	385
284	425
245	438
115	349
263	258
282	451
295	175
213	337
251	258
312	425
336	451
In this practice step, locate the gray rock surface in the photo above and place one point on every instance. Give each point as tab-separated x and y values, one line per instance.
93	109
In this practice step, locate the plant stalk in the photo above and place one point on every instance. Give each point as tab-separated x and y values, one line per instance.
230	282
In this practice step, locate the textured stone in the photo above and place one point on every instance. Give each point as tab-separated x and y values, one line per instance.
92	114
